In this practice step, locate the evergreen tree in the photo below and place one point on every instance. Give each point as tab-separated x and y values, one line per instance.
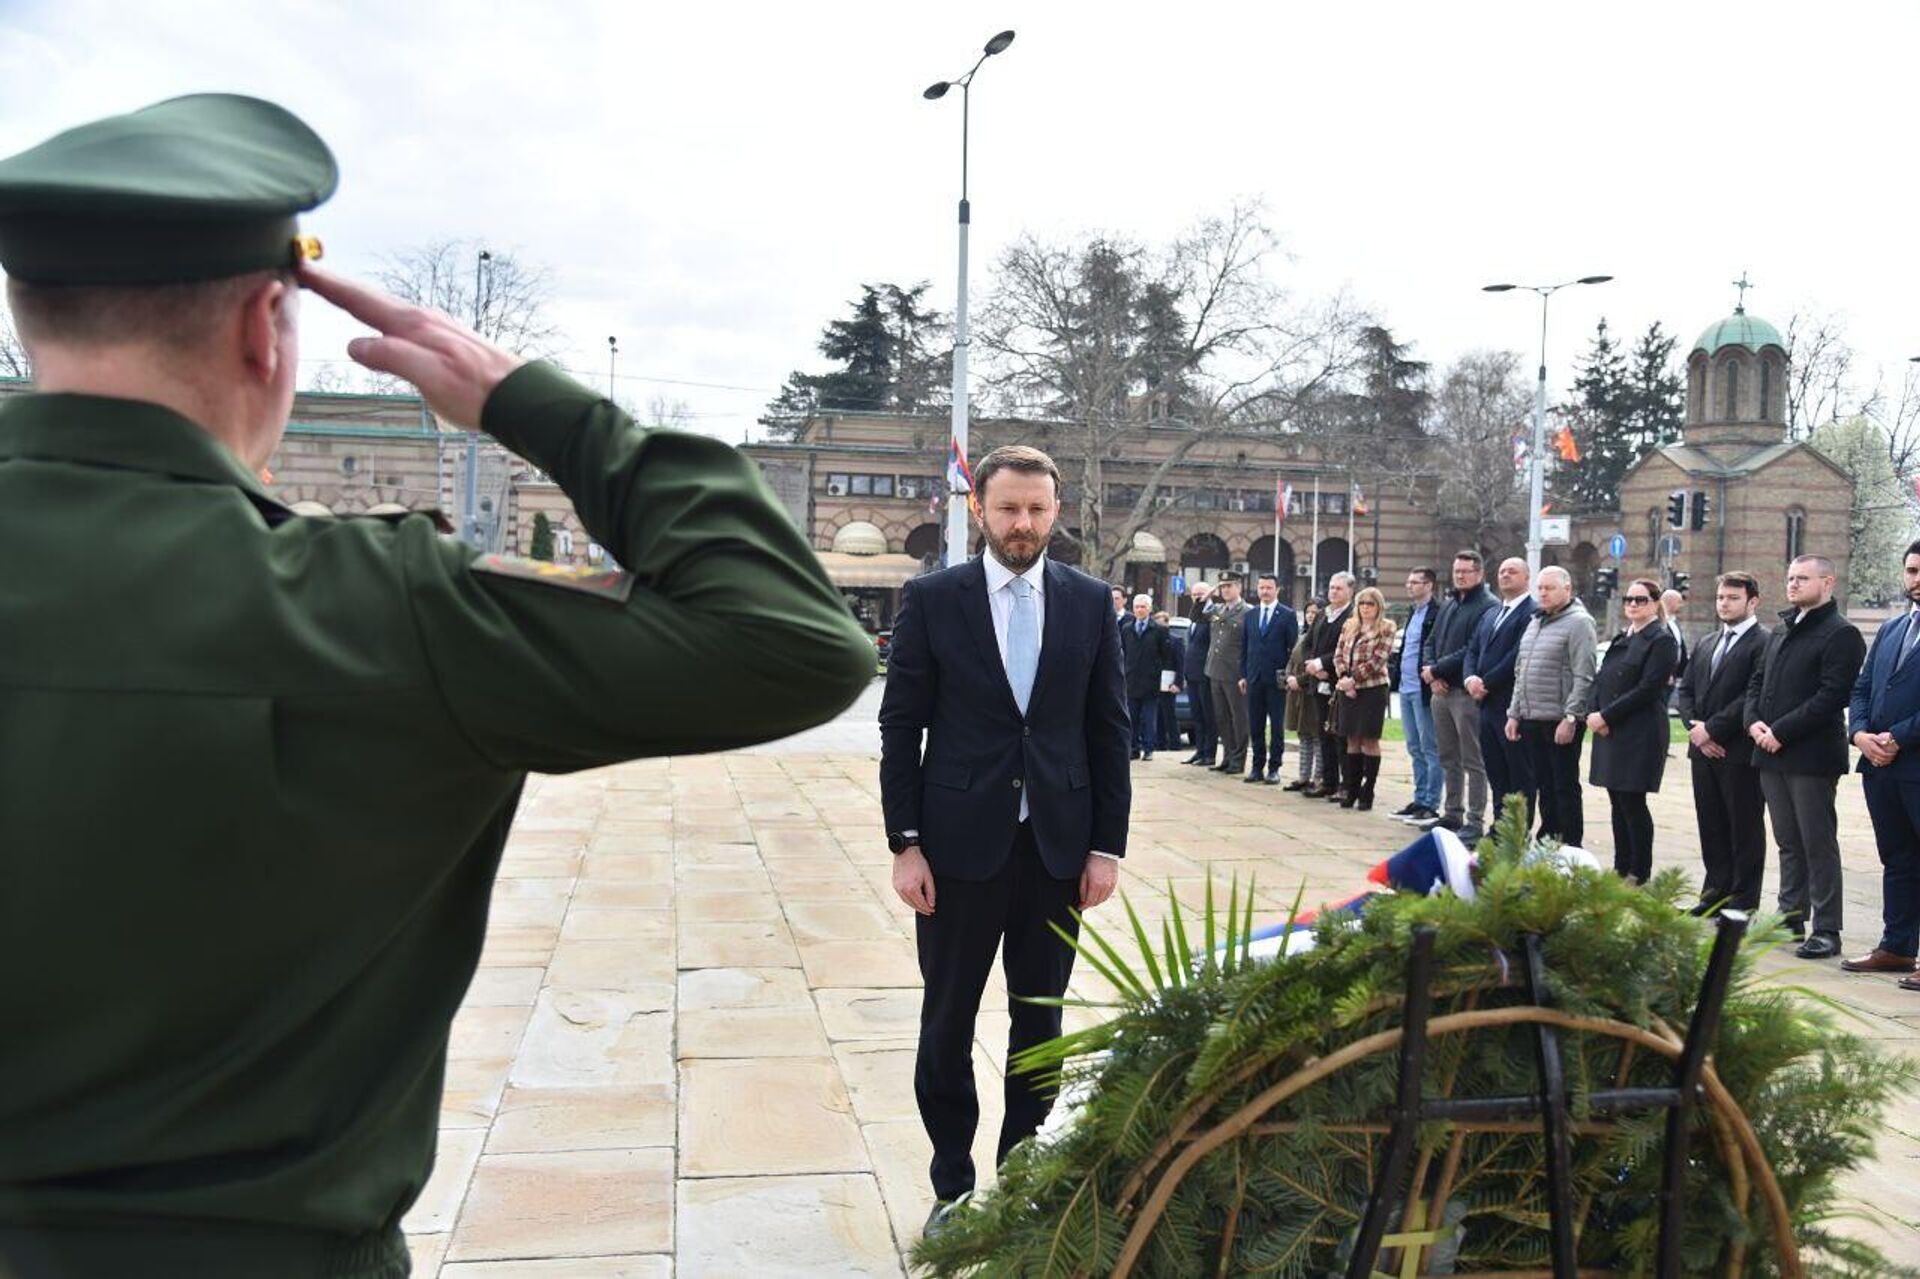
887	363
542	548
1627	403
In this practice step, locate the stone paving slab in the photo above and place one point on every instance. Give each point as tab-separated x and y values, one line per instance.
689	1049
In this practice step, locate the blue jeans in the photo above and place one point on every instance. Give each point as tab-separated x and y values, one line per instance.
1146	722
1417	718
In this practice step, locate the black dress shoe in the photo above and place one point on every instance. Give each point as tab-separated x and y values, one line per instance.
1251	779
937	1219
1133	754
1407	811
1273	779
1297	786
1819	946
1145	756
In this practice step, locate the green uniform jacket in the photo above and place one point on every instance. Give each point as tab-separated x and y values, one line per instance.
256	771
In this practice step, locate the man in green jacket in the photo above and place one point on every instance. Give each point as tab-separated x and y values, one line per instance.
256	770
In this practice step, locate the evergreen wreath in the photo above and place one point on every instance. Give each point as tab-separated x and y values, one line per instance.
1228	1118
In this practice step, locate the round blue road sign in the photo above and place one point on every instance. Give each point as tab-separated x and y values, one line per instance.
1617	546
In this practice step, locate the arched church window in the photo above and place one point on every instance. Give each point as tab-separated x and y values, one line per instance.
1766	389
1697	392
1731	410
1653	531
1796	533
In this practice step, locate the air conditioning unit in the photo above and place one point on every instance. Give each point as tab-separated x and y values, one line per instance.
1241	567
836	488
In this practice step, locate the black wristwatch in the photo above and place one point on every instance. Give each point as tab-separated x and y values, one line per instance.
899	841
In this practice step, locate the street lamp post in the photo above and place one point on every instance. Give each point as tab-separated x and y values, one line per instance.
956	500
613	354
1537	463
472	522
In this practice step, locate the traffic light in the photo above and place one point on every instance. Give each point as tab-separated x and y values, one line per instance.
1606	582
1702	508
1369	575
1677	508
1680	578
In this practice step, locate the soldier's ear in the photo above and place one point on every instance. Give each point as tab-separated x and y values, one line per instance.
266	319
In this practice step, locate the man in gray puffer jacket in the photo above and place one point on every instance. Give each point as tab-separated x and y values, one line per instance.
1552	676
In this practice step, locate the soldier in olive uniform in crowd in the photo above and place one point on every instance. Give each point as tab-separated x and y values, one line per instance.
256	770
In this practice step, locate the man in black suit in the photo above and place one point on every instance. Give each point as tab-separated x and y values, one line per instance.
1271	632
1795	713
1194	675
1726	789
1321	642
1006	670
1489	682
1145	651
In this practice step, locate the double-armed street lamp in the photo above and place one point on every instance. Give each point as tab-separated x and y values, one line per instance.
956	500
1537	468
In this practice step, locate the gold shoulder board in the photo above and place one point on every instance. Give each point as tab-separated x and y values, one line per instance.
607	583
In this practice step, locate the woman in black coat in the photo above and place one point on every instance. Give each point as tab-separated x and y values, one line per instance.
1629	724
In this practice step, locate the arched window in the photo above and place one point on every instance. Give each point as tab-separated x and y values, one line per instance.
1731	411
1766	388
1796	534
1697	391
1653	535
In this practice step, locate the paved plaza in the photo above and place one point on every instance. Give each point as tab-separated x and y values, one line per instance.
689	1048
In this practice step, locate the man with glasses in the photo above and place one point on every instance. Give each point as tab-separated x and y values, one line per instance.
1489	669
1726	788
1416	712
1795	714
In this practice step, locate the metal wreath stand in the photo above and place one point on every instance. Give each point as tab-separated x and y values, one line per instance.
1695	1085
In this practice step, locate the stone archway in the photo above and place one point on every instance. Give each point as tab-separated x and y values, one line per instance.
1581	565
1331	558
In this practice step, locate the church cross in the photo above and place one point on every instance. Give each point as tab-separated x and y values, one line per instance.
1742	284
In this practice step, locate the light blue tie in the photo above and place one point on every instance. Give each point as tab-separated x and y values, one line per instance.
1023	642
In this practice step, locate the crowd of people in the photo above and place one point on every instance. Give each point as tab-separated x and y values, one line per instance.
1501	689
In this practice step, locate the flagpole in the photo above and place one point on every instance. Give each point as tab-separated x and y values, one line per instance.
1313	587
1351	486
1279	513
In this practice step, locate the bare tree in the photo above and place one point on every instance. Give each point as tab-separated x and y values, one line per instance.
1899	417
1820	374
1483	401
13	353
1100	337
504	299
664	412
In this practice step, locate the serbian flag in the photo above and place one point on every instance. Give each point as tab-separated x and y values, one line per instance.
1519	451
1565	445
1283	500
959	474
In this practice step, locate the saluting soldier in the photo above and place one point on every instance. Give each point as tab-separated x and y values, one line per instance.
256	770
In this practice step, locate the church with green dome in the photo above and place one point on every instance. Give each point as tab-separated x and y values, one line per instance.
1755	498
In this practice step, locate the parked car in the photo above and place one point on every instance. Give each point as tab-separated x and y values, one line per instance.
883	642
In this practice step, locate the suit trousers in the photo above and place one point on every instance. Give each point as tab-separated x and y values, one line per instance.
1632	834
1556	771
1509	771
1456	727
1807	829
1200	697
1894	806
1169	721
1230	721
956	945
1733	832
1145	712
1267	716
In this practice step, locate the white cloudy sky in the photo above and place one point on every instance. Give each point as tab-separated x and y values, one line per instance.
711	182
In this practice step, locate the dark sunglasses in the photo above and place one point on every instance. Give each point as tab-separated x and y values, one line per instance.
1636	599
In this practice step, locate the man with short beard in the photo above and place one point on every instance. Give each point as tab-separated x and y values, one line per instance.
1489	672
1885	720
1726	789
1013	818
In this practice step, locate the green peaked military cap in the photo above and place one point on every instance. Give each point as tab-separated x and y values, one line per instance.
195	188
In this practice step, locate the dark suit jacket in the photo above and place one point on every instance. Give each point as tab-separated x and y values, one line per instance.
1264	659
1491	653
1445	646
947	691
1718	700
1194	660
1144	655
1800	689
1323	637
1630	692
1888	701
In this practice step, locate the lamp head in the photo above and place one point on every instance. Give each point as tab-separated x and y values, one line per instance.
1593	279
999	43
1497	288
936	90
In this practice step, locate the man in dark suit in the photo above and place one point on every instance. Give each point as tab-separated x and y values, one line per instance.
1271	632
1796	715
1489	681
1006	670
1885	722
1726	789
1145	651
1194	675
